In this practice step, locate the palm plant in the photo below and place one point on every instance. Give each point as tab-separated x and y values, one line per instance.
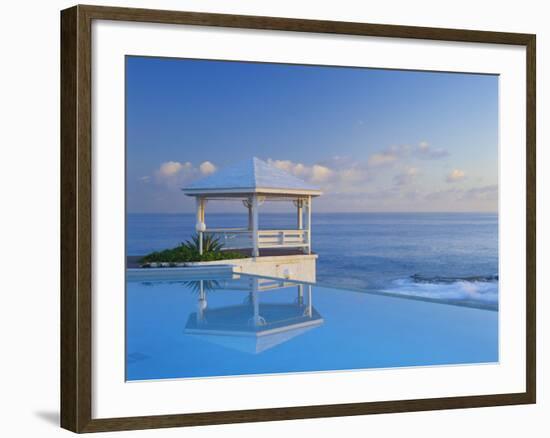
209	243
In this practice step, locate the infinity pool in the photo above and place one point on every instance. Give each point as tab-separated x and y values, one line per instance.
237	324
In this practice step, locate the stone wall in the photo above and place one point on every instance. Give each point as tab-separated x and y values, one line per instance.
293	267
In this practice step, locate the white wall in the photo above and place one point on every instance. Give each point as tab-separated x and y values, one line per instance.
29	164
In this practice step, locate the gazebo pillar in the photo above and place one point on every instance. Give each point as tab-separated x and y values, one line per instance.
308	224
300	219
249	207
200	226
255	243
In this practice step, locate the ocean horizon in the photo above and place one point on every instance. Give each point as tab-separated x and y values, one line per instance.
447	257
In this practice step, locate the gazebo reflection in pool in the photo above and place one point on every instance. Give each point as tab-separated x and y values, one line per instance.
253	326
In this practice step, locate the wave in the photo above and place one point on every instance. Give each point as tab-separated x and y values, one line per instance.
478	291
417	278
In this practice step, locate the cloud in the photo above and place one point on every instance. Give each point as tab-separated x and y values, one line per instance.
320	173
425	151
406	176
171	168
441	195
207	168
387	157
176	174
393	154
485	193
348	184
353	174
336	174
455	176
297	169
382	159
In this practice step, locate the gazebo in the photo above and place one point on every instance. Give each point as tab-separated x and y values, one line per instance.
254	182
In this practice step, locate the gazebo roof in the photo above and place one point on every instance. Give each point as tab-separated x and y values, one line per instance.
251	176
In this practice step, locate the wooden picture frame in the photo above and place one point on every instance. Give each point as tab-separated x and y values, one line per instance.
76	217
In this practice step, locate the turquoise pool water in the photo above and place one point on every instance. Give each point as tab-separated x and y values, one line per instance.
235	325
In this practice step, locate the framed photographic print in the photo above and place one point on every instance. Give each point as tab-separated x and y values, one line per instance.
270	218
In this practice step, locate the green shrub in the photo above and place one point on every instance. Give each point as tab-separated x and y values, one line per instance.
189	252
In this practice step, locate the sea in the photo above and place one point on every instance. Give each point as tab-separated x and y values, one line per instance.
443	257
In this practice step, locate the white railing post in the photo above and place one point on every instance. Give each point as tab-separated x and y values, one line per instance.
308	218
255	246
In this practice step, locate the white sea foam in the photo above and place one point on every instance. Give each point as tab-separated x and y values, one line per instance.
484	292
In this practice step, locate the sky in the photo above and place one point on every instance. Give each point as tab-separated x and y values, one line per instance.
374	140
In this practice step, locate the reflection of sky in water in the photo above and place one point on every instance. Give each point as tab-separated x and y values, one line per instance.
220	326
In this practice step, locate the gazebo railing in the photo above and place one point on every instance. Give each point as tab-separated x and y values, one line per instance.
282	238
241	238
232	238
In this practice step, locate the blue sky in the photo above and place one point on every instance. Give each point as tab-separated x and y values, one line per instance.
373	139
